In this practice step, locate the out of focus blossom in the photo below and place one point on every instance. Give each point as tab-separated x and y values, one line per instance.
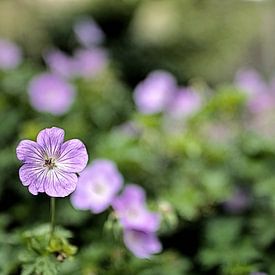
262	102
185	102
10	55
98	185
132	212
50	93
154	94
238	203
88	33
251	82
90	62
142	244
60	63
50	164
258	273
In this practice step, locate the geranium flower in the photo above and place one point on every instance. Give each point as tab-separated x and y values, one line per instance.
88	32
153	94
60	63
142	244
10	55
51	165
132	212
98	185
90	62
185	102
50	93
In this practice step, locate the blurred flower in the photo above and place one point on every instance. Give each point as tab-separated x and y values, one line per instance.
238	203
153	94
98	185
50	164
88	32
60	63
90	62
185	102
142	244
258	273
132	212
50	93
251	82
10	55
261	102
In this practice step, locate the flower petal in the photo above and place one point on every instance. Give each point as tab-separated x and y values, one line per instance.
73	157
33	176
29	151
59	183
51	139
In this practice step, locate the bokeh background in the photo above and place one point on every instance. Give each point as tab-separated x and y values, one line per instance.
207	168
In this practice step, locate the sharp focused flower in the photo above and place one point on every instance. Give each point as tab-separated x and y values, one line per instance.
50	93
185	102
10	55
154	93
88	32
60	63
90	62
132	212
142	244
50	164
98	185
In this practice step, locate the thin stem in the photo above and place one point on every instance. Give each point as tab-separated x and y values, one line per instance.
52	216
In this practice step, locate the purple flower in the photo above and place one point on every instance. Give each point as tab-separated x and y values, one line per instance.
88	32
250	82
10	55
50	93
60	63
98	185
132	212
185	102
142	244
89	63
261	102
154	94
50	164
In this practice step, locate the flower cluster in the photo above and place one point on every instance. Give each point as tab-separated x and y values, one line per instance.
52	92
159	93
97	189
139	224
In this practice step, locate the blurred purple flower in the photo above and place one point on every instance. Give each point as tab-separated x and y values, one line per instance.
10	55
238	203
250	82
60	63
132	212
90	62
50	93
153	94
50	164
142	244
261	102
185	102
98	185
88	33
258	273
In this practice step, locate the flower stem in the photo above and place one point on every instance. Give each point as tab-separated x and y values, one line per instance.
52	217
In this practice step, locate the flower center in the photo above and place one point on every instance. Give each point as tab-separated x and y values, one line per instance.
49	163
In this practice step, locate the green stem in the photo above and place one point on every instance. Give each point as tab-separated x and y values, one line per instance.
52	217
